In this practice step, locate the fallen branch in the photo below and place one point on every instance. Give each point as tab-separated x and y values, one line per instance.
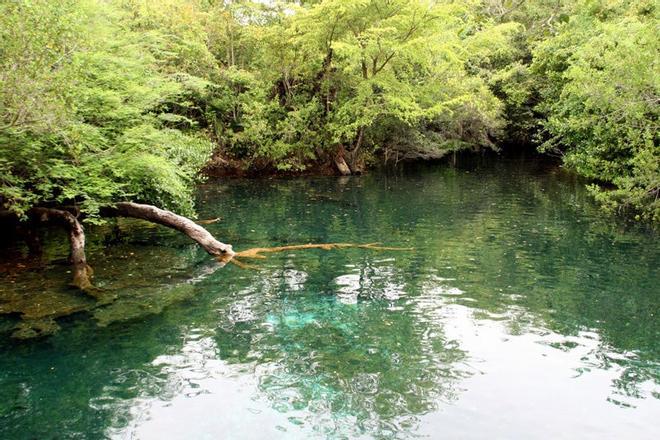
208	221
224	253
82	272
256	252
174	221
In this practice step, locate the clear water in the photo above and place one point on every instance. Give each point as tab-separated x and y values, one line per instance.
521	313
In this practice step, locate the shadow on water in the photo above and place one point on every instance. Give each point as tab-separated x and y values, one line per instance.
515	279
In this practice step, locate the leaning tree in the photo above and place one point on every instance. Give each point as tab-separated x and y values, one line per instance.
92	126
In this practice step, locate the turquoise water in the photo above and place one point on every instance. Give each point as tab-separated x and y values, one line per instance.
521	313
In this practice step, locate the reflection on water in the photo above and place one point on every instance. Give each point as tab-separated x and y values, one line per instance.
520	314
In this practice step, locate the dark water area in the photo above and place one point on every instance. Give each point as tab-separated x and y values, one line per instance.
522	312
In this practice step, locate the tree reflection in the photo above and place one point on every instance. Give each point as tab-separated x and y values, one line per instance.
365	366
352	341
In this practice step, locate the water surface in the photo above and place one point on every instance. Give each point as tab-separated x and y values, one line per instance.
521	313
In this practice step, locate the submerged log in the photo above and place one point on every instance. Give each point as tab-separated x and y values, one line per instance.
223	253
174	221
39	315
257	252
209	221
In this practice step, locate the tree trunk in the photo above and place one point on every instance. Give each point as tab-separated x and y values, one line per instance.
341	164
82	272
174	221
353	155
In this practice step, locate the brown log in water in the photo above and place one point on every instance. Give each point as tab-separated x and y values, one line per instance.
167	218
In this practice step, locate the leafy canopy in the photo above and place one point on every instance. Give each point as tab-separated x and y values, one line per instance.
84	112
108	100
601	95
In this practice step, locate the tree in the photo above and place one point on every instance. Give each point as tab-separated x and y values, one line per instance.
600	97
341	78
85	122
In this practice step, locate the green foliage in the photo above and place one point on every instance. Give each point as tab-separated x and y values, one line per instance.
526	24
601	101
82	120
103	101
333	72
582	79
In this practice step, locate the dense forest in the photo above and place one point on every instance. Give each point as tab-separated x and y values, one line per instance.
128	100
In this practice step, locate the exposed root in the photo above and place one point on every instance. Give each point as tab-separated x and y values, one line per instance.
256	253
82	280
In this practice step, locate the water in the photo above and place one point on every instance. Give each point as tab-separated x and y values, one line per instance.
520	313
